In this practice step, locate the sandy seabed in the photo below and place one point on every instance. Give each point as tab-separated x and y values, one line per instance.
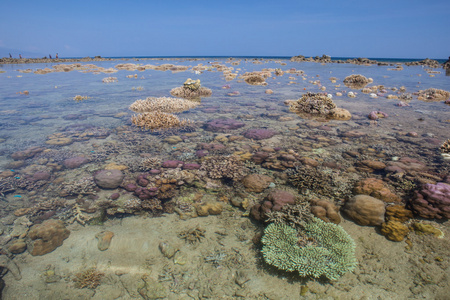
225	264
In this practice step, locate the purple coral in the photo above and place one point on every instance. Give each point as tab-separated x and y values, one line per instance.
223	125
433	201
259	134
375	115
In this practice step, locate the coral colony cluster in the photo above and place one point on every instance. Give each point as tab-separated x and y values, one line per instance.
296	184
157	113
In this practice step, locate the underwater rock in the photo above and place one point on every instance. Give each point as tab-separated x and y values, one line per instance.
11	266
173	139
375	115
18	246
223	125
167	250
47	236
108	179
256	183
339	114
372	165
325	210
153	289
28	153
59	141
365	210
104	239
191	166
433	201
259	134
75	162
405	164
394	231
172	164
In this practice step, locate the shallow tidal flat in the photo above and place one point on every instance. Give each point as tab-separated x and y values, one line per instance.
157	179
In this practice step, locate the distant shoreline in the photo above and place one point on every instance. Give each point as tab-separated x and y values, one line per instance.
300	58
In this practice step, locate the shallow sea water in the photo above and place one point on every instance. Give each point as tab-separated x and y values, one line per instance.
226	262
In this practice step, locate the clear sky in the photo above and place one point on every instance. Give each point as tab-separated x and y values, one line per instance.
363	28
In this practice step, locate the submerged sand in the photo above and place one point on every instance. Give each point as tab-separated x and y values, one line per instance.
225	264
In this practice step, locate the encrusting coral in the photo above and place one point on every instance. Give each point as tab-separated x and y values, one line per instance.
433	94
162	104
319	249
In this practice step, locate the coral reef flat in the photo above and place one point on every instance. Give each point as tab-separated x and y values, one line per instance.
261	179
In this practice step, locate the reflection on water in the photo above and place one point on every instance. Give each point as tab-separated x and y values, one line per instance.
132	213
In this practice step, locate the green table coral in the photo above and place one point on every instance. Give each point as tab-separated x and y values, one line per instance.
323	249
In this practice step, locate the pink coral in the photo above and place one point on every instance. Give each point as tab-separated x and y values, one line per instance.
433	201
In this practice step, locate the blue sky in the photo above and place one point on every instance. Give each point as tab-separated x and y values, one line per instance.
395	28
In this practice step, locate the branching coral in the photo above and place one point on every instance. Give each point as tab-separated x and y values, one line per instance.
193	235
293	215
319	181
218	167
158	120
162	104
89	278
320	249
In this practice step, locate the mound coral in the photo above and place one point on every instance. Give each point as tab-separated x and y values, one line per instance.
47	236
255	79
433	94
191	89
158	121
319	249
318	104
313	103
162	104
433	201
357	81
445	147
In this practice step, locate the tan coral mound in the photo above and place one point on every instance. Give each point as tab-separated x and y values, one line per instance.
47	236
433	94
158	120
318	106
445	147
357	81
187	93
312	103
162	104
255	80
